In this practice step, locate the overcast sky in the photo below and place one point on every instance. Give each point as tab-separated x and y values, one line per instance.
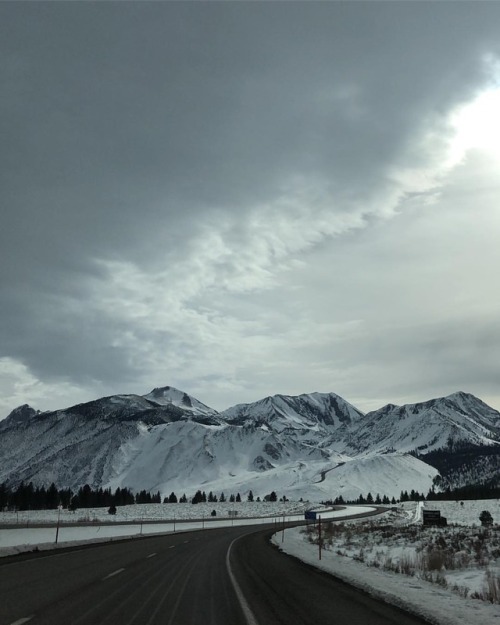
244	199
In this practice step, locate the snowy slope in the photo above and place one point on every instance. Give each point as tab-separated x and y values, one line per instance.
422	427
315	411
80	444
385	474
311	446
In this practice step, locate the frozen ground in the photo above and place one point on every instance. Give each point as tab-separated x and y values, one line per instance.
448	575
137	520
155	512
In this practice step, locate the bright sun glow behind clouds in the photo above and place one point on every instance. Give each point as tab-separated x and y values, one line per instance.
477	126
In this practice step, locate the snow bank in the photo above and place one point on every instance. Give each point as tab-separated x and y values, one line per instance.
437	604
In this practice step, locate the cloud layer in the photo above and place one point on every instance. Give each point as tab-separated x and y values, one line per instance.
244	199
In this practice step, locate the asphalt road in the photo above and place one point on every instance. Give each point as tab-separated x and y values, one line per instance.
229	576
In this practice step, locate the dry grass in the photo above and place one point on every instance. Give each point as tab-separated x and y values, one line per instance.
425	552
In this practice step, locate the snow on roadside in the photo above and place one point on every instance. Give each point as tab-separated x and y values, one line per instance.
21	539
435	603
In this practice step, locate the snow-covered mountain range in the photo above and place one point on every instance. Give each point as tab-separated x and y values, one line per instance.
314	445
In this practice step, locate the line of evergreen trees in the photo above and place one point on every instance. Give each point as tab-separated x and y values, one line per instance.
202	497
29	497
478	491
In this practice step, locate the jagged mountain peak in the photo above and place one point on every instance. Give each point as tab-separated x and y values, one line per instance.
460	401
305	411
425	426
169	395
169	438
21	414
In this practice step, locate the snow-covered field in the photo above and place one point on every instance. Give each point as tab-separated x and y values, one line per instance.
25	530
22	537
155	512
449	575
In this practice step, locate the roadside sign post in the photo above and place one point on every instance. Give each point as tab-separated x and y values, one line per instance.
319	536
58	519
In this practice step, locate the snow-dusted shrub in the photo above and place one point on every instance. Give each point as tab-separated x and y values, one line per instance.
463	591
435	560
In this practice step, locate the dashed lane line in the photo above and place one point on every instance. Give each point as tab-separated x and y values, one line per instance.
22	620
151	555
113	574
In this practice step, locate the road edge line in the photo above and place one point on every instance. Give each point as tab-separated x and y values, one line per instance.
249	616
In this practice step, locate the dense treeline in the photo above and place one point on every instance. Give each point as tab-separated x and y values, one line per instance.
462	464
29	497
480	491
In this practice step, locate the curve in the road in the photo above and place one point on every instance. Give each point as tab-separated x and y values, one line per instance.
230	576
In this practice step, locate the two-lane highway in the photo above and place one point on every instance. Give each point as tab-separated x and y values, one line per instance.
224	576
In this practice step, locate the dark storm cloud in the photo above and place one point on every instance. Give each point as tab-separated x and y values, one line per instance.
126	125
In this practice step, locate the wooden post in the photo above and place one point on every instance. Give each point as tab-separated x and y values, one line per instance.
319	536
58	519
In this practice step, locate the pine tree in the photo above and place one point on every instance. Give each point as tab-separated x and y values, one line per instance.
250	496
198	497
53	496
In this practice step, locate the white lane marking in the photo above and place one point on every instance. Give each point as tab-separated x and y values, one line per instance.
186	541
249	616
172	547
151	555
113	574
23	620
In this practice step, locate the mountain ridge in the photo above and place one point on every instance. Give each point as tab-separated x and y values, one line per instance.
168	439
